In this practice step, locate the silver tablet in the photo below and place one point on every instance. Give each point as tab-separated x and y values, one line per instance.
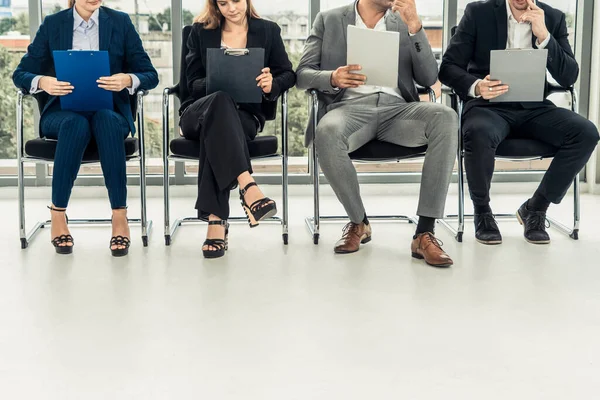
524	71
377	53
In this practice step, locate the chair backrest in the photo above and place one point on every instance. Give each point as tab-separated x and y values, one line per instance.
269	108
182	93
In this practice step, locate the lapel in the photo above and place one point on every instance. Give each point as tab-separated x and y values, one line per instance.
66	31
213	38
348	18
391	23
105	29
501	24
254	38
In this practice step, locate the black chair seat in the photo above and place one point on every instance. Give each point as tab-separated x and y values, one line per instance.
45	149
377	150
524	148
261	146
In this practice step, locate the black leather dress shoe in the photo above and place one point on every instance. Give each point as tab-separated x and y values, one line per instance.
486	229
534	223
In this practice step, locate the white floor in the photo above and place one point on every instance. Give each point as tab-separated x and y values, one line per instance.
274	322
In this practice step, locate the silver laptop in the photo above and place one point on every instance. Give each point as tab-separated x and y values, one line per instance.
524	71
377	53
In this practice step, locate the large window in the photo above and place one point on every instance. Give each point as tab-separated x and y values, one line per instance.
14	39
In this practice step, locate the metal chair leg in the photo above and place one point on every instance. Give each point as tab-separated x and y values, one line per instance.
144	217
21	174
284	166
165	146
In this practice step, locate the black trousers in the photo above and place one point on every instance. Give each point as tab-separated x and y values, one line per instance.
485	126
223	131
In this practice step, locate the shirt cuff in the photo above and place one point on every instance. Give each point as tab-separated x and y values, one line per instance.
544	43
415	34
135	84
472	89
35	85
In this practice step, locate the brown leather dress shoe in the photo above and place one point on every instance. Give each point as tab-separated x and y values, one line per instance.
353	236
427	247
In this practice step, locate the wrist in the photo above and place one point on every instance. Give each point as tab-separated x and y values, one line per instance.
332	80
477	90
414	26
543	36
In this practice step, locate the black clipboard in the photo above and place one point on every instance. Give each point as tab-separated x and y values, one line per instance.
234	71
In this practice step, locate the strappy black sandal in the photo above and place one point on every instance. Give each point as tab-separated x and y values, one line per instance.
219	245
119	241
62	239
259	210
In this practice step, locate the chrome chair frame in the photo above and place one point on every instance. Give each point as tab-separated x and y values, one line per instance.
313	223
22	158
573	233
171	229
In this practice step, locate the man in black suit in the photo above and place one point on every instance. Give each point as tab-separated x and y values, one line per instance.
505	24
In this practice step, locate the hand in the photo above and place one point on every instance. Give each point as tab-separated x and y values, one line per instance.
408	12
344	78
265	80
489	89
535	17
115	83
54	87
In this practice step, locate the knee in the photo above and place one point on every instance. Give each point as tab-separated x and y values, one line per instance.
445	124
102	117
328	137
75	125
107	123
221	99
479	136
588	135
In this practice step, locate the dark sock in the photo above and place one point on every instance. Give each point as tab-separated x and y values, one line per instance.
365	220
538	203
482	209
426	224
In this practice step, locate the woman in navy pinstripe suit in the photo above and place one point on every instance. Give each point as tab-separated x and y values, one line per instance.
87	26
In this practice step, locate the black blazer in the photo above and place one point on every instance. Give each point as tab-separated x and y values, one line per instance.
261	33
483	28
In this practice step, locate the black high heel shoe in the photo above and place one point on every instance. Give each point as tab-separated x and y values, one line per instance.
220	245
119	240
62	239
259	210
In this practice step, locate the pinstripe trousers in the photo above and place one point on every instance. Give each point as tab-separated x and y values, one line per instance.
74	131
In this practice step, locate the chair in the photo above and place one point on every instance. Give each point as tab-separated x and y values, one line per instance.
183	150
42	150
515	149
374	151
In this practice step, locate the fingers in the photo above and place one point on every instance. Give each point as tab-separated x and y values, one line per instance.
494	92
263	76
266	70
352	67
532	5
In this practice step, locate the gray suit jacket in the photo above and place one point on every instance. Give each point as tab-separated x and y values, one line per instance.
325	51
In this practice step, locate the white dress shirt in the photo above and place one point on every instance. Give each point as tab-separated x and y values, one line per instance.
518	37
86	36
366	90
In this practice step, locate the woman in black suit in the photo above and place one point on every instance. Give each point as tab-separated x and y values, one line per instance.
222	126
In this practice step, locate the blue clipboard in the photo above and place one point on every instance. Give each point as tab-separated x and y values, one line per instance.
82	68
234	71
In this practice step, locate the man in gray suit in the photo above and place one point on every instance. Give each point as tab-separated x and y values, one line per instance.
352	113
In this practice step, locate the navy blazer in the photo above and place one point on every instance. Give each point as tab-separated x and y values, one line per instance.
484	27
117	35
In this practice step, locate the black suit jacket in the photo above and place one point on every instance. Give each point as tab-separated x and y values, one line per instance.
262	34
483	28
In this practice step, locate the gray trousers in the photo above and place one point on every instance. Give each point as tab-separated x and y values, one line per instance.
348	125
